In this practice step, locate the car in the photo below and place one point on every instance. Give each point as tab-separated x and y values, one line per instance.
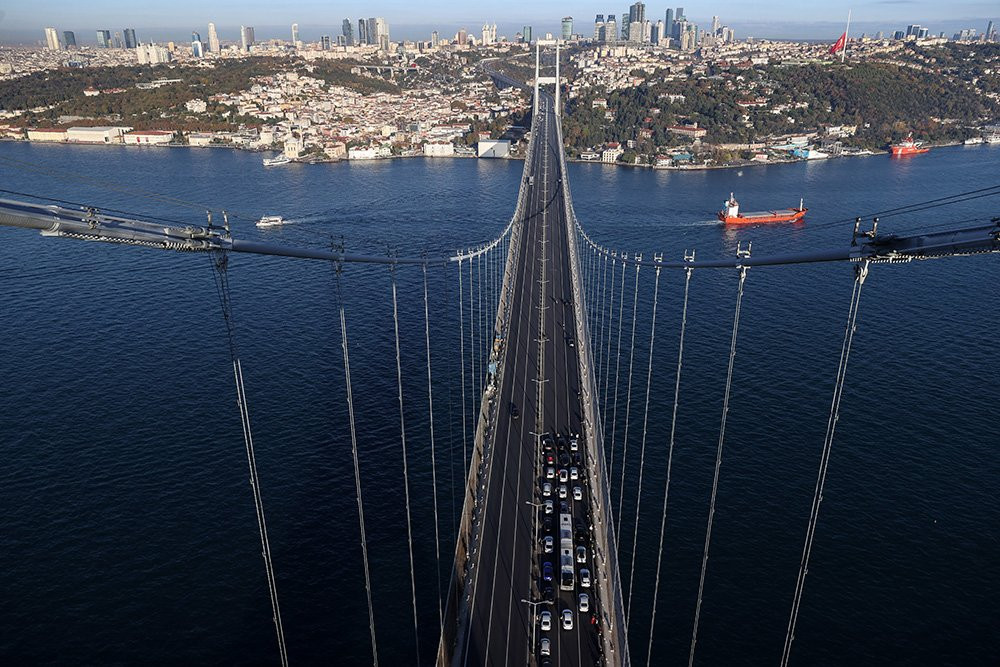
567	619
585	577
574	473
561	442
514	412
545	646
545	620
531	180
564	460
546	571
549	544
570	341
550	473
577	459
562	491
563	475
547	443
547	489
563	507
577	493
581	554
548	507
549	594
547	524
584	605
550	459
574	444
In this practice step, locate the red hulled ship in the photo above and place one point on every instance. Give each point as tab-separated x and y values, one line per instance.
907	147
731	214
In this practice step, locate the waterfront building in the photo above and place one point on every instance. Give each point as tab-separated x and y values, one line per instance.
69	39
104	39
130	40
567	28
52	40
213	39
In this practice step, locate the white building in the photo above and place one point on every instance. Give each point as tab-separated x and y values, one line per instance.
148	137
357	153
151	54
196	106
52	39
47	134
293	147
493	148
439	149
101	134
200	139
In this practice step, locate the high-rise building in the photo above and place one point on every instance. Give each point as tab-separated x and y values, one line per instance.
715	25
363	32
991	33
679	14
52	39
213	39
118	40
246	37
623	26
130	40
669	20
462	37
197	48
598	28
611	29
654	33
69	39
104	39
372	31
636	13
567	28
923	33
434	39
324	42
381	32
489	34
348	31
151	54
526	34
295	34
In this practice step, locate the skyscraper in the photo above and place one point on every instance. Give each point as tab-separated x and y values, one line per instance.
462	37
381	32
130	41
213	39
348	31
246	37
611	29
598	27
197	48
295	34
69	39
104	39
567	28
324	42
372	32
526	34
623	27
679	15
715	25
52	39
669	22
363	32
991	35
636	13
434	39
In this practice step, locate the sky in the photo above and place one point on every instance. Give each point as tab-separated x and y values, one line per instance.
22	21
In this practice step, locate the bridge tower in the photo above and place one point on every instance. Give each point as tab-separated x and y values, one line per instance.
541	80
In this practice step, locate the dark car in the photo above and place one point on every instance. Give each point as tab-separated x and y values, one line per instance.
514	412
547	524
564	460
546	571
549	594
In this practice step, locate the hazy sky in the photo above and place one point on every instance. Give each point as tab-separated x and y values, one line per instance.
23	20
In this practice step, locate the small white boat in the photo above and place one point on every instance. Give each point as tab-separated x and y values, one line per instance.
275	161
971	141
270	221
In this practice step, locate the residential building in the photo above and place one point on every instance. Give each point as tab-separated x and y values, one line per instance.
599	28
197	48
363	32
324	42
151	54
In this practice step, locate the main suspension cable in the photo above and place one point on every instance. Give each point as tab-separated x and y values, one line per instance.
718	463
220	271
670	461
861	272
406	476
357	467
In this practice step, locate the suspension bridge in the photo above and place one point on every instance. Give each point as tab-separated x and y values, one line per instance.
548	377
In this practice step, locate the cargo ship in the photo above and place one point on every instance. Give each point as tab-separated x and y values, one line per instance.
731	214
907	147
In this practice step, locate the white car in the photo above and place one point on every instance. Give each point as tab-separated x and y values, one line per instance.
562	491
548	507
567	619
581	555
550	472
577	493
584	602
574	473
545	621
547	490
585	577
563	475
549	544
574	444
546	646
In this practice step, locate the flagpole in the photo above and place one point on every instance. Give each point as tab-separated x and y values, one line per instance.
843	53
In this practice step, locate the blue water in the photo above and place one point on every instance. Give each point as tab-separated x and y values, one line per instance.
129	535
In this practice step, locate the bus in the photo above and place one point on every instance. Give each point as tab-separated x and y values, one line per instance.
567	571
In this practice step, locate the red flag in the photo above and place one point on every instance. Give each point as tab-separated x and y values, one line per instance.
840	44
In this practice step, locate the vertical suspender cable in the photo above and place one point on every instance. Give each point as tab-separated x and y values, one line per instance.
479	317
220	265
357	467
402	439
461	365
861	272
642	449
618	364
718	464
628	402
430	411
472	346
600	337
670	461
611	323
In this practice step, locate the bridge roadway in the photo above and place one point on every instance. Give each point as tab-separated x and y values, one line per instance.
508	563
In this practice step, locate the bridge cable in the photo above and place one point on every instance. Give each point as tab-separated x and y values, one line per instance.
402	439
861	272
220	266
473	316
628	404
642	448
618	363
461	365
600	338
430	411
357	467
670	460
611	324
718	463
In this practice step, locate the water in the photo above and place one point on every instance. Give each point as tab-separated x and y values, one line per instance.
129	532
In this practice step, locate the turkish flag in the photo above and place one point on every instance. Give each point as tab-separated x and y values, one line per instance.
840	44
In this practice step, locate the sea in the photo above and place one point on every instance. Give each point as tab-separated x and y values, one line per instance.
128	529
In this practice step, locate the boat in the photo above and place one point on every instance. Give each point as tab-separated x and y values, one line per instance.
972	141
907	147
731	214
275	161
270	221
993	138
